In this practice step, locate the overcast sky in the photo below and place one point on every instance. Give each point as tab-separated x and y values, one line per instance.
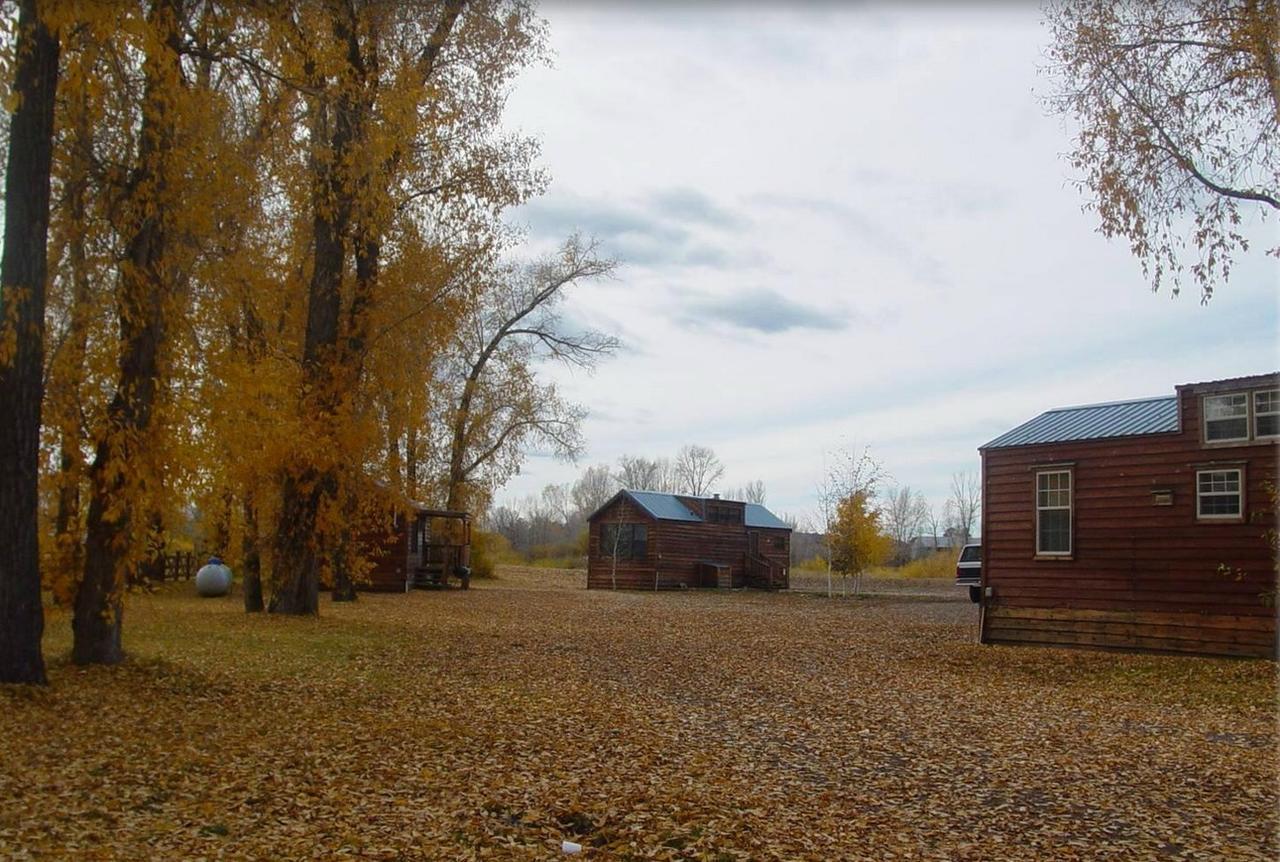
843	225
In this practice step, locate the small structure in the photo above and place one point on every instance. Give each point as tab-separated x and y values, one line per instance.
1137	524
645	540
424	548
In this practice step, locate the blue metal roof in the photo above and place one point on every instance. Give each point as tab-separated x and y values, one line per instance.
663	506
758	516
667	507
1094	421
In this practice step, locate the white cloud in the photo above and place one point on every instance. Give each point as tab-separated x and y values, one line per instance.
890	172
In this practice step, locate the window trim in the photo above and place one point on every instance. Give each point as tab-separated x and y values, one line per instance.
1204	418
1236	518
1253	413
1070	508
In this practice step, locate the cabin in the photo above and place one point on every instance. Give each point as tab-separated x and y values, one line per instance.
1141	525
422	548
645	540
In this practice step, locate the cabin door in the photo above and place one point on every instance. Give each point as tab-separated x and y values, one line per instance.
753	543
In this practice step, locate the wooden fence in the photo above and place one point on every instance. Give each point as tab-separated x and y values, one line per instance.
180	565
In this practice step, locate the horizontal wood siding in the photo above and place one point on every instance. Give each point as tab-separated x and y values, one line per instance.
675	551
630	574
1140	575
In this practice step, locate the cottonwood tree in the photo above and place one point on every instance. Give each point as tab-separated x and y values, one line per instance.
500	407
22	308
697	469
964	504
1178	106
904	515
156	203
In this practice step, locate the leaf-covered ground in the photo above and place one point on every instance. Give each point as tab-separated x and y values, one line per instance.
498	722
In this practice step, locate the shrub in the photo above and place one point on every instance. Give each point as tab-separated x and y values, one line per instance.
939	565
487	550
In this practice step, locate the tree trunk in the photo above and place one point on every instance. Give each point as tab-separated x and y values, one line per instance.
411	460
344	589
252	562
22	301
296	574
68	535
144	289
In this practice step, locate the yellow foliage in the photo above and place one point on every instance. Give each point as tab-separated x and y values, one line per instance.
856	540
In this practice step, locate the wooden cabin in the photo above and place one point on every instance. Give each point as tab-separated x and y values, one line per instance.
423	548
644	540
1137	524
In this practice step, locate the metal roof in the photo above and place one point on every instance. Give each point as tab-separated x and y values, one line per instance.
1094	421
667	507
663	506
758	516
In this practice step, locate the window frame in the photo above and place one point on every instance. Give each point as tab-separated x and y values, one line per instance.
1228	518
1070	509
1254	414
1205	420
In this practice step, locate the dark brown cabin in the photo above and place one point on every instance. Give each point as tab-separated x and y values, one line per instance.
423	549
1137	524
644	540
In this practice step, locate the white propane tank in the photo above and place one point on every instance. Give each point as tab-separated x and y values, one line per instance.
213	579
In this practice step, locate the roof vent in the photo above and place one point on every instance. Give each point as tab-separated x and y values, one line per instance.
715	496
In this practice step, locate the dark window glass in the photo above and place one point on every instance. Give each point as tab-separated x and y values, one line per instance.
971	554
1055	531
629	541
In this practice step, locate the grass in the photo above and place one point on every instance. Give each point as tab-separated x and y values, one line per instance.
498	722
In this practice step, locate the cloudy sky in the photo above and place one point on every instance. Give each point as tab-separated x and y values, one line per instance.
843	225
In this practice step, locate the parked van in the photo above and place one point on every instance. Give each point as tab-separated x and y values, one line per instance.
969	570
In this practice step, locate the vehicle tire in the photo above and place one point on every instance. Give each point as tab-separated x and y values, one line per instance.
975	594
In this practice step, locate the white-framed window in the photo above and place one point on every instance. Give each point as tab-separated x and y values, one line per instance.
1220	494
1226	417
1266	413
1053	512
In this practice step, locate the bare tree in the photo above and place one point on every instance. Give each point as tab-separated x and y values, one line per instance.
1177	106
752	492
904	515
964	504
697	470
935	522
639	473
557	501
593	489
500	407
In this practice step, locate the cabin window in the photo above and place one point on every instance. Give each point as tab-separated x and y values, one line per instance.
1219	494
1053	512
631	541
415	532
1266	413
1226	417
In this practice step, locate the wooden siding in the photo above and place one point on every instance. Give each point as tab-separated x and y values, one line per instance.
1140	575
675	550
